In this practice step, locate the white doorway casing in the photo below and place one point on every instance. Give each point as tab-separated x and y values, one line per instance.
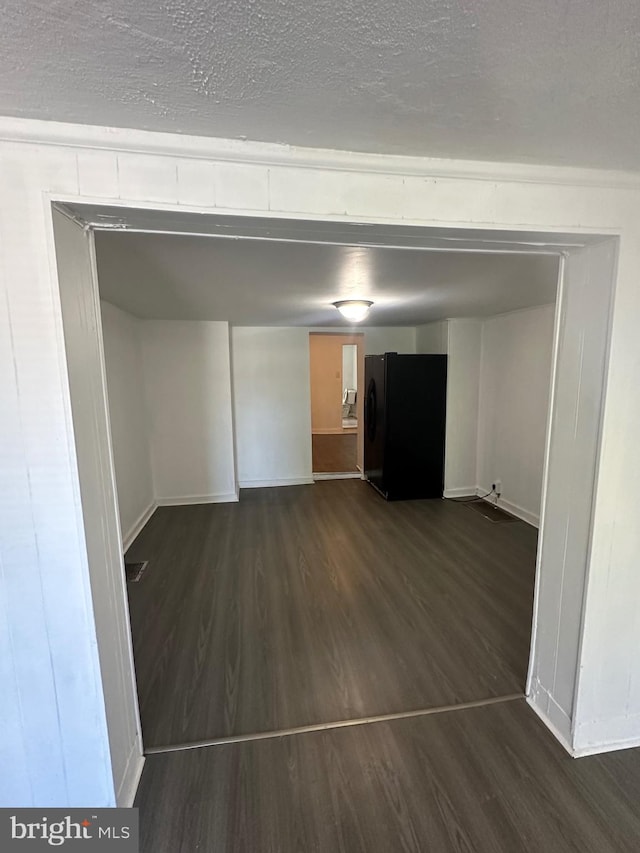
52	660
96	474
571	462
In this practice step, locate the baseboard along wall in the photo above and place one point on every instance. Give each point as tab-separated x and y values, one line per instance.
128	787
186	500
264	484
512	508
554	718
130	535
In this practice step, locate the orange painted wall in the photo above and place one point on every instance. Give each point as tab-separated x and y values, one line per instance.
326	382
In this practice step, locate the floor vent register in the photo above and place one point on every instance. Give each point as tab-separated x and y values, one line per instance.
134	571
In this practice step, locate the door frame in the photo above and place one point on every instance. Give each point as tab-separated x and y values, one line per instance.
358	339
596	295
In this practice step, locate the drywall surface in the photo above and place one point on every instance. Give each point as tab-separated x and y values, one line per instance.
350	366
271	390
432	338
187	378
41	519
441	80
515	379
401	339
463	372
122	336
112	693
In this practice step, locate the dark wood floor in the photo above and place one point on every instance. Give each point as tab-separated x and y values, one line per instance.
334	453
487	780
313	604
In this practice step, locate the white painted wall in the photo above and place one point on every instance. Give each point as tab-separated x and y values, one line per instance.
515	378
47	662
110	696
350	366
432	338
377	339
401	339
271	390
187	377
272	397
463	372
122	335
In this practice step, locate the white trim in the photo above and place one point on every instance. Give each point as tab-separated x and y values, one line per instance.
461	492
558	724
187	500
521	513
183	146
577	694
128	786
337	475
513	509
557	330
613	746
265	484
138	524
597	735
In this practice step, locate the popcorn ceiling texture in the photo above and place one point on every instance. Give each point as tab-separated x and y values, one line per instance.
551	81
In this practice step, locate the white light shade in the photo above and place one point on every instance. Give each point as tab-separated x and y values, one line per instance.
354	310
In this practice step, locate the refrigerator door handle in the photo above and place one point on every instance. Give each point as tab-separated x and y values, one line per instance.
371	414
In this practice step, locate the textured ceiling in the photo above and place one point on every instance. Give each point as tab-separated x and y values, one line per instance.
261	282
550	81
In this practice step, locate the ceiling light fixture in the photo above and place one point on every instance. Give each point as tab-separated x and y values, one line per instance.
354	310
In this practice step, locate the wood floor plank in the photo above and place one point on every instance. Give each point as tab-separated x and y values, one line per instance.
482	780
311	604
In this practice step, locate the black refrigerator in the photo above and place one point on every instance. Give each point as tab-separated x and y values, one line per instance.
404	424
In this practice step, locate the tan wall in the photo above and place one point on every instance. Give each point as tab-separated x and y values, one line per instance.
326	382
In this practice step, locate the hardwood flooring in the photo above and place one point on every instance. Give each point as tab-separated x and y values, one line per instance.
334	453
486	780
313	604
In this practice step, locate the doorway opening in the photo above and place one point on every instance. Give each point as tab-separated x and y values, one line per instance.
336	364
270	516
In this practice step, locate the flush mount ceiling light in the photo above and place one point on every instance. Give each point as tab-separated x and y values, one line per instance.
354	310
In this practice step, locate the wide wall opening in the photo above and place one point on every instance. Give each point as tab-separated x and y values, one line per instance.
270	602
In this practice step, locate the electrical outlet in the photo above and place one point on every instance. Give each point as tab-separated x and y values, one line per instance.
498	487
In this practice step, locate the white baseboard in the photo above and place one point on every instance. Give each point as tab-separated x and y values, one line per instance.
598	736
126	793
461	492
266	484
136	527
520	512
552	715
187	500
348	475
